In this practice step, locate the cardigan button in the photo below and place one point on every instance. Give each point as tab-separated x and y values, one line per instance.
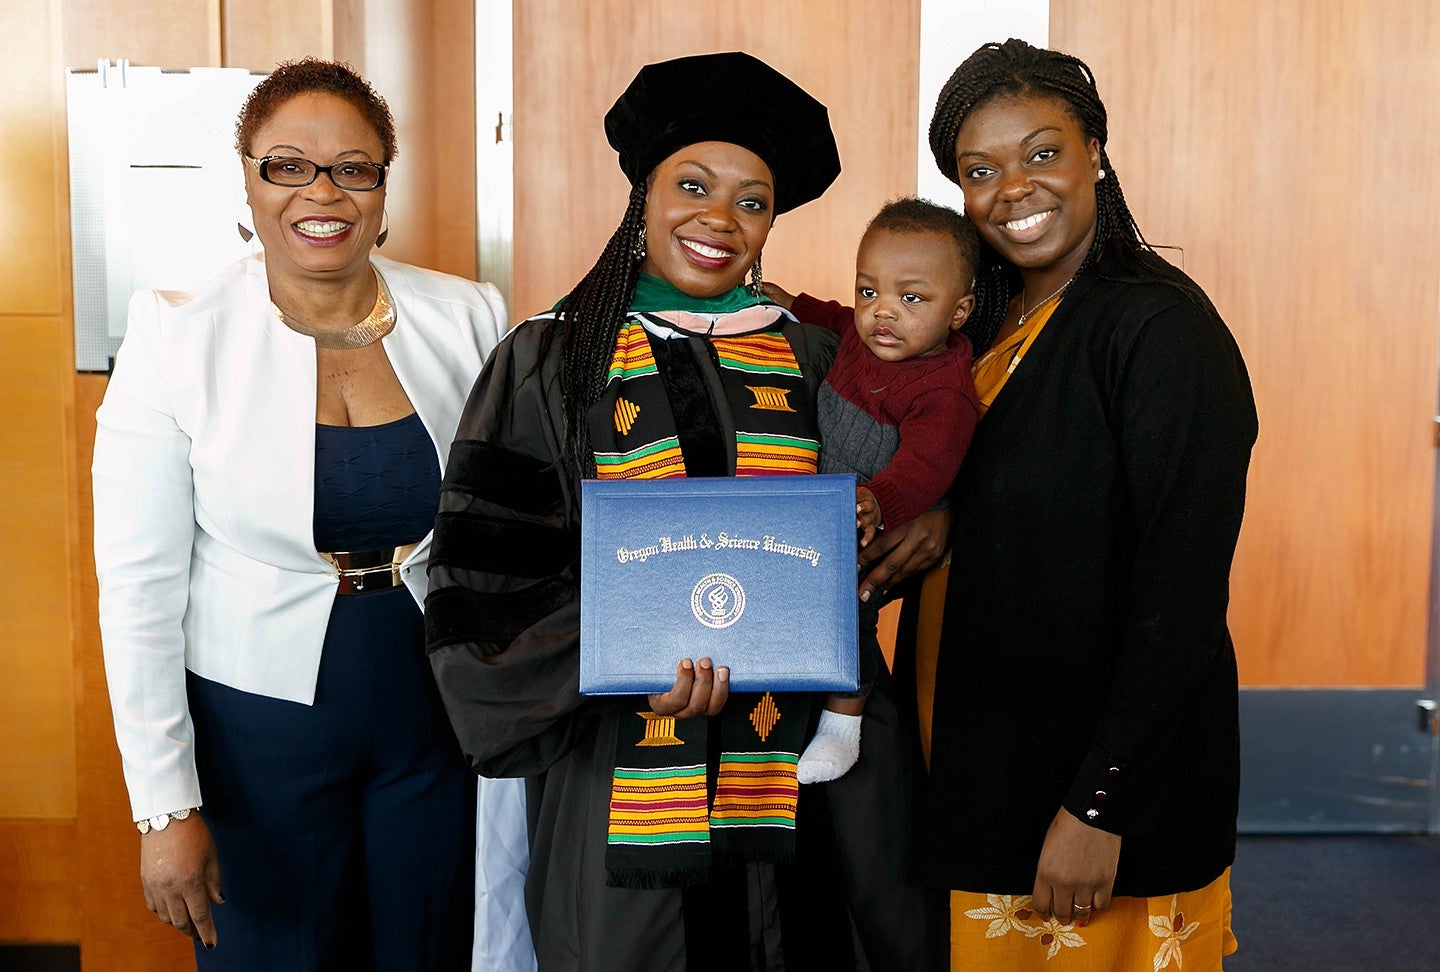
1100	796
1092	814
1114	771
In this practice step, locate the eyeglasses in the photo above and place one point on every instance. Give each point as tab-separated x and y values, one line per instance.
292	173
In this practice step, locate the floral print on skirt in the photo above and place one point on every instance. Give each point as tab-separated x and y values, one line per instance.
1189	931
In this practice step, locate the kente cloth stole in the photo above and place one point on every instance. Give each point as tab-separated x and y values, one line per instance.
672	813
633	430
678	800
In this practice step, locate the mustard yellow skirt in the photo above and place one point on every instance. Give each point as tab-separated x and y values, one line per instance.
1189	931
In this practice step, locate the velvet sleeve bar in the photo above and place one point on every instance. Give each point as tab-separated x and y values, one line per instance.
503	614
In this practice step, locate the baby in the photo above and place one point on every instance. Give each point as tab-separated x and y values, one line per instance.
898	406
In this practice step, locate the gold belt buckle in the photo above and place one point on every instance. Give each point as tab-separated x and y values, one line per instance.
362	571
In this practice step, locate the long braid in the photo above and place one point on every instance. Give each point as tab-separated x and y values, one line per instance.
1016	67
592	315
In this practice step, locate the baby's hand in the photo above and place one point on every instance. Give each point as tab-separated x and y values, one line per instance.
867	514
777	294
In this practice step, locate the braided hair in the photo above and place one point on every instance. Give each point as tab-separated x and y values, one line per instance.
592	314
1016	67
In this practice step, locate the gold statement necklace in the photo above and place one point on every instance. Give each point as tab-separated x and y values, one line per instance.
378	323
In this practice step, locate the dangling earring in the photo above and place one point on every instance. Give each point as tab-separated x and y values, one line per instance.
637	246
244	217
756	279
384	229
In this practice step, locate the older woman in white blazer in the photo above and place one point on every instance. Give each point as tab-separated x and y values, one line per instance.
267	468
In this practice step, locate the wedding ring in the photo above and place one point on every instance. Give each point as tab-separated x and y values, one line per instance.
1082	911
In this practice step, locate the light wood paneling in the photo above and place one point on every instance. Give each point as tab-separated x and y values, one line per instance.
39	884
163	33
859	57
349	19
30	172
257	36
37	764
421	58
1284	146
39	881
450	197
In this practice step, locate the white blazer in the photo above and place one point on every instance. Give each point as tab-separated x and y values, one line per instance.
204	477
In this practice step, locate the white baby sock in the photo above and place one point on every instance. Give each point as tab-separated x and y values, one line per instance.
832	752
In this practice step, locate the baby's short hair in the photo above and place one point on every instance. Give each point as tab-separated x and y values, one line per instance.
911	214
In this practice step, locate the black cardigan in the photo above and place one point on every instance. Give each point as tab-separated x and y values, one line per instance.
1085	659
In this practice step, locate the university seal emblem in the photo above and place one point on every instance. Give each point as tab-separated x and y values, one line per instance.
717	601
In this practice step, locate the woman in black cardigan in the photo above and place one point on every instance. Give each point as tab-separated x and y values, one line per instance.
1085	769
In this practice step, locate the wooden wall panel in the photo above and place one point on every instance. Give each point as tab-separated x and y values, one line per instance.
38	886
1280	144
164	33
37	766
31	174
257	36
859	57
421	58
39	880
450	197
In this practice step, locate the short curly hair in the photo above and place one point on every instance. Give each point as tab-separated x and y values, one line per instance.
911	214
312	74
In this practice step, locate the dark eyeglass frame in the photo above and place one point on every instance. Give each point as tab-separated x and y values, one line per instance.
262	166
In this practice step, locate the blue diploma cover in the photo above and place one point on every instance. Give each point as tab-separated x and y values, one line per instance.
755	573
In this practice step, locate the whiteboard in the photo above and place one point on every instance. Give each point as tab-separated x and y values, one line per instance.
156	189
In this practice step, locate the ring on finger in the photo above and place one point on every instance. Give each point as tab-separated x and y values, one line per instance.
1082	911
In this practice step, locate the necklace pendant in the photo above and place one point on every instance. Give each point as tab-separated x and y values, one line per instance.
1024	314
